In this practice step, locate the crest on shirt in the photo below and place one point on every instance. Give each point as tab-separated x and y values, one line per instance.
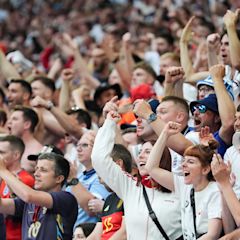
5	190
120	203
44	210
106	208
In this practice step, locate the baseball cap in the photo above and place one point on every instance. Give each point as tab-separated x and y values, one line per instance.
45	149
104	87
210	102
206	81
154	104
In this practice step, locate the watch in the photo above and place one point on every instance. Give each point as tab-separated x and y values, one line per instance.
73	182
152	117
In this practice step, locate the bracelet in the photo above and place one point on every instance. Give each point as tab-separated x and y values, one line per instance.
49	106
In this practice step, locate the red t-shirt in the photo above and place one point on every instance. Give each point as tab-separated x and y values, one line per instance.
13	224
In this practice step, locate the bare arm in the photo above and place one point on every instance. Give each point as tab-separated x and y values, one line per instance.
227	218
162	176
214	229
68	123
186	61
79	63
226	106
64	97
78	96
177	142
96	233
7	206
82	196
230	20
7	69
174	82
232	236
23	191
123	60
213	45
221	173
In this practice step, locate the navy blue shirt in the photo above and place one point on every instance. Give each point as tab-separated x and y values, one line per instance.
2	228
42	223
222	145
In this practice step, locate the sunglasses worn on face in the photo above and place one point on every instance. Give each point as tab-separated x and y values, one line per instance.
84	145
200	108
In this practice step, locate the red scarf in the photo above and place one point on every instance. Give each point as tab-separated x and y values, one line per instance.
147	181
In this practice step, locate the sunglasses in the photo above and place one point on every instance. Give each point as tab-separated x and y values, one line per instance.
84	145
200	108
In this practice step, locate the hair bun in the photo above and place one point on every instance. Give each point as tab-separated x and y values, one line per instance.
213	144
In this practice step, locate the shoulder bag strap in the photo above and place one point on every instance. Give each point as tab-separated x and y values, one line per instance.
192	199
153	215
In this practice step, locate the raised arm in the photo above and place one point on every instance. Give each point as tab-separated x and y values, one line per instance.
226	106
64	96
68	123
177	142
186	61
7	69
174	82
213	46
230	20
162	176
79	63
123	60
221	172
23	191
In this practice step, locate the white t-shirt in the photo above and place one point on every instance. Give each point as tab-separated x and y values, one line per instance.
176	162
233	156
139	225
207	203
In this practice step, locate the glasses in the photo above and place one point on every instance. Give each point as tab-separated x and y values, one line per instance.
84	145
205	89
200	108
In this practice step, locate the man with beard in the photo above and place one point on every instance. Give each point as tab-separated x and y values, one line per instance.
100	62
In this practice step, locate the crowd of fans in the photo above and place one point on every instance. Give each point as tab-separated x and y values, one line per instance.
119	119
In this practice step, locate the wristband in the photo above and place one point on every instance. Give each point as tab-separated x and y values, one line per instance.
49	106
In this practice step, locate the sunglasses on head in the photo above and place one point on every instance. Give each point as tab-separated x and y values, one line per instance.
200	108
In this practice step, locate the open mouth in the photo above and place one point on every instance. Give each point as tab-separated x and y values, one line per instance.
197	122
141	164
186	174
9	129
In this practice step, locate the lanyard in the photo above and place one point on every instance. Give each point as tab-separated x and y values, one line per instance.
35	214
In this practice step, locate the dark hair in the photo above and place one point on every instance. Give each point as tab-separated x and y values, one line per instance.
225	33
146	67
3	117
204	154
204	22
82	116
24	84
167	36
29	115
178	101
62	166
87	228
165	163
2	94
48	82
238	108
15	142
121	152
